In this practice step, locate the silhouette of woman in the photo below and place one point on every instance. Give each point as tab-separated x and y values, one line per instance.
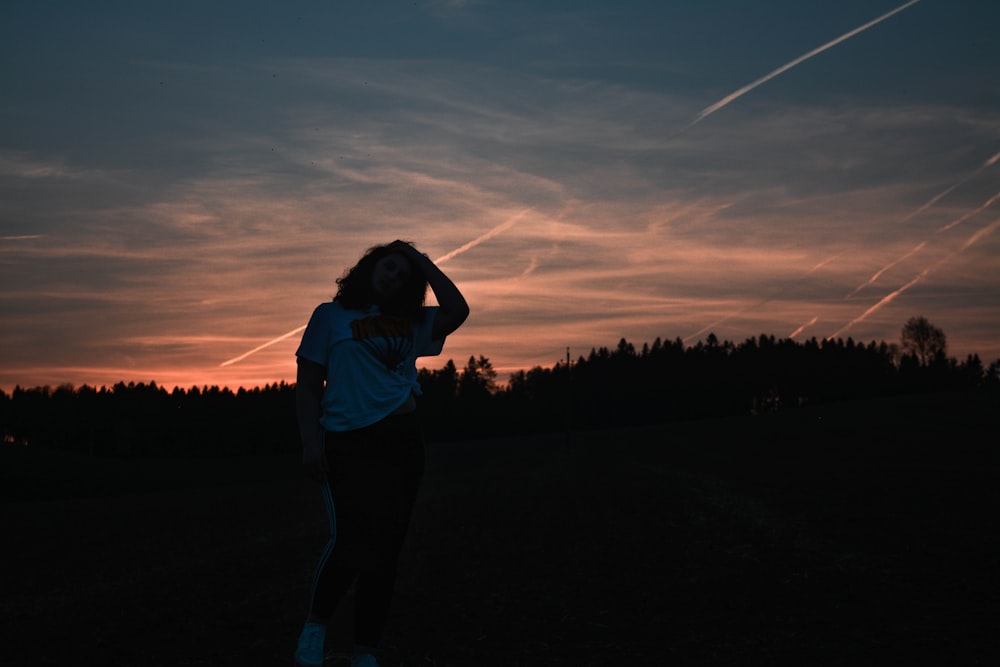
356	407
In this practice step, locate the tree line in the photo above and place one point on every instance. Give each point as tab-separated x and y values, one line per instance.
657	382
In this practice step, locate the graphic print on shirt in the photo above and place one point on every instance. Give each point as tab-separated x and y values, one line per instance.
388	339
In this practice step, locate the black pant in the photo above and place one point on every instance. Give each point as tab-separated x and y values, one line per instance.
374	477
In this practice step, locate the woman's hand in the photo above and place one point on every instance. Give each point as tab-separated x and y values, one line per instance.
452	307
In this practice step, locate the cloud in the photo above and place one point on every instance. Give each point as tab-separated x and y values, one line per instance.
878	274
21	164
271	174
888	298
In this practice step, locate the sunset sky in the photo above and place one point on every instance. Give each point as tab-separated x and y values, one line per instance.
182	182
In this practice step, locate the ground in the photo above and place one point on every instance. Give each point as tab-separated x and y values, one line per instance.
859	533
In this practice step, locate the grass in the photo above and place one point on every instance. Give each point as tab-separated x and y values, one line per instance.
861	533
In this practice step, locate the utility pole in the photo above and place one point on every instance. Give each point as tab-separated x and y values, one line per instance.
569	400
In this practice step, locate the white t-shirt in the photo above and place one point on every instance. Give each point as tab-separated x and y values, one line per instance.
370	361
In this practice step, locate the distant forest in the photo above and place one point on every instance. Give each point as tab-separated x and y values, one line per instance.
659	382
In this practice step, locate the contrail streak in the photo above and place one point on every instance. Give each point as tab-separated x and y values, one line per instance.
885	268
261	347
499	229
975	238
989	202
708	111
778	292
933	200
803	327
936	198
878	274
886	299
711	326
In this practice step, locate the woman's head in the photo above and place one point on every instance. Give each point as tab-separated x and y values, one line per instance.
385	277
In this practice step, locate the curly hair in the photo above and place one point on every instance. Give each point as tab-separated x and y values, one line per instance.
355	290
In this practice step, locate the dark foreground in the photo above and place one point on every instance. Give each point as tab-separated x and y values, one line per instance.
864	533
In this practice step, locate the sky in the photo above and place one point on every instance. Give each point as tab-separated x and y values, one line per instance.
183	182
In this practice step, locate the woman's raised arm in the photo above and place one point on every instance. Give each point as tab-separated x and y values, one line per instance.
453	309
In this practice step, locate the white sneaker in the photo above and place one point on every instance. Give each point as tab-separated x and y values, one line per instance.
364	660
310	650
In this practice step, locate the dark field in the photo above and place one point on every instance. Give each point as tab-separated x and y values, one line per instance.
861	533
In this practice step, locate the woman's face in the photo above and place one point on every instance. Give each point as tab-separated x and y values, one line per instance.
390	275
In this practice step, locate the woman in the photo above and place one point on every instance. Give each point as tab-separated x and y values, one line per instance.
355	398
